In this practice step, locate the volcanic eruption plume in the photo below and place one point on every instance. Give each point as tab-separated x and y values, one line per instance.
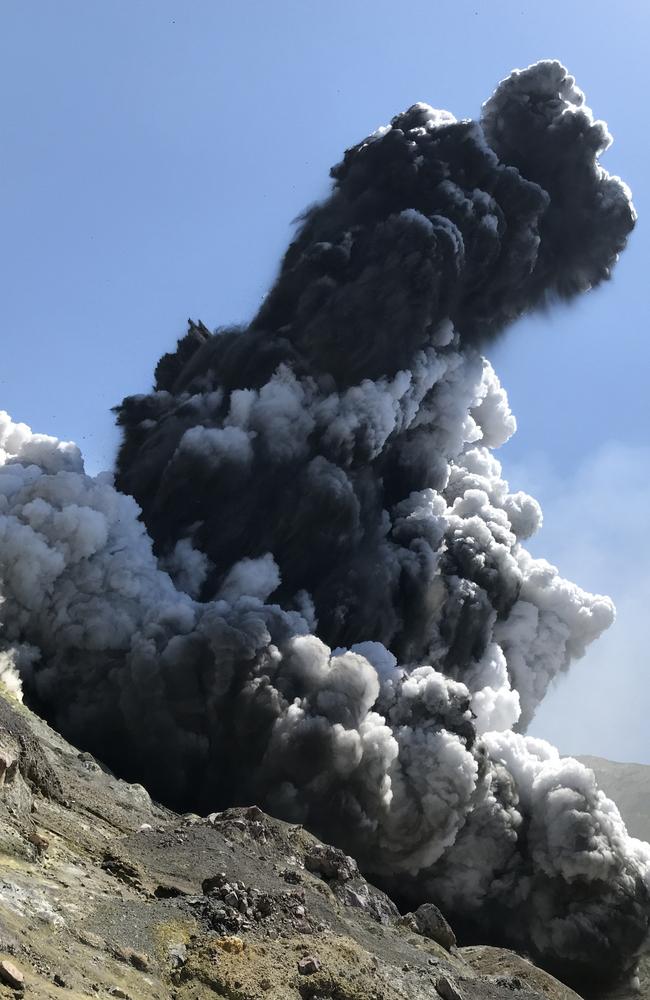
325	605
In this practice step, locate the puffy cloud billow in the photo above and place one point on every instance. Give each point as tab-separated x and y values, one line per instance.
307	585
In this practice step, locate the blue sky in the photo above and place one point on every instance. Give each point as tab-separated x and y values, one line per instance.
154	154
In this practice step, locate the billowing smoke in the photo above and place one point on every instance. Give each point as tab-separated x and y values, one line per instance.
326	606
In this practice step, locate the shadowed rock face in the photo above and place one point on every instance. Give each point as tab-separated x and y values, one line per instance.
104	893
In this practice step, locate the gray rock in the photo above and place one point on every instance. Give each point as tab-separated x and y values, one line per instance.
430	923
11	975
448	989
308	965
363	896
352	898
8	765
177	954
330	863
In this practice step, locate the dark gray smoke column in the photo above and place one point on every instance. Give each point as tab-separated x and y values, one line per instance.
355	629
437	234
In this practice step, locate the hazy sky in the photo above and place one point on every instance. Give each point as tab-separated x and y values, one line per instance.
153	155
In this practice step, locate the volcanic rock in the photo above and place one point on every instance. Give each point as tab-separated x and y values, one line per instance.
93	916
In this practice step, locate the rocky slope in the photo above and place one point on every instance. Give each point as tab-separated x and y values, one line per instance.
105	894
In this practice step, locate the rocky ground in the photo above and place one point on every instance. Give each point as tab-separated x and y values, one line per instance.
105	894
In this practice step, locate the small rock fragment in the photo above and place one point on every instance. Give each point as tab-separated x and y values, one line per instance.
168	892
117	991
88	762
408	920
11	975
92	940
217	881
233	945
430	923
357	899
144	827
177	954
255	813
448	989
59	981
8	766
330	863
308	965
137	793
40	842
139	961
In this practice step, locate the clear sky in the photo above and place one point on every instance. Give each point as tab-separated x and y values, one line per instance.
152	156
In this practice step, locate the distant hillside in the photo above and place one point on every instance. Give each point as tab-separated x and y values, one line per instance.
629	786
